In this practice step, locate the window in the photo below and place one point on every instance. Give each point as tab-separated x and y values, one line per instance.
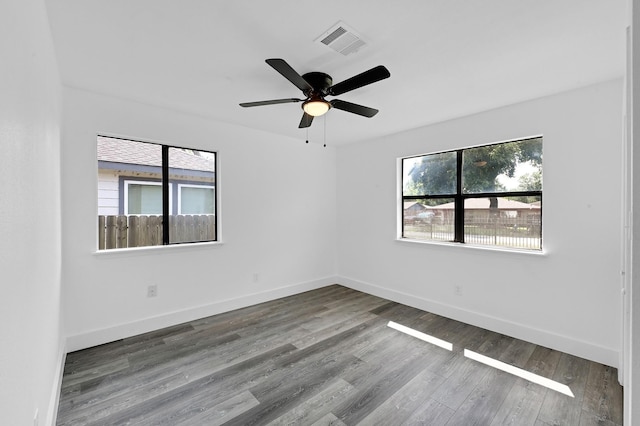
142	197
489	195
195	199
140	184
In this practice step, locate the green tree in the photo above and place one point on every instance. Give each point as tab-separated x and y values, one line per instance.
530	181
433	175
436	174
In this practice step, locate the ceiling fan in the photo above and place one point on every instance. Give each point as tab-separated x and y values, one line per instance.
316	85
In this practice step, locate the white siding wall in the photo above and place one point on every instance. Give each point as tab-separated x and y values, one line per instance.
108	199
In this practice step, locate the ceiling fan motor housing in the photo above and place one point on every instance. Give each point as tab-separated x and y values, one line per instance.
319	81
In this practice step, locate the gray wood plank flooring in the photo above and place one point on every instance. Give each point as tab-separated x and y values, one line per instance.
327	357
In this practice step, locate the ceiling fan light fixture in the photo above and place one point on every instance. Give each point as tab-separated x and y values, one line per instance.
316	107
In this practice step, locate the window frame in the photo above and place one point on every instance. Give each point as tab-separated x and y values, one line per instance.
168	189
125	192
460	197
192	185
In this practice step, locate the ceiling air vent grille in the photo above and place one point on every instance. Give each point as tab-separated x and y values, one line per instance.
342	39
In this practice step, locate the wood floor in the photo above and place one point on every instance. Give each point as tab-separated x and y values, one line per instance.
327	357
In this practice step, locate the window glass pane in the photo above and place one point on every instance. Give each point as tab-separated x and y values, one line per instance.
429	219
512	166
144	199
192	174
513	222
196	200
433	174
129	193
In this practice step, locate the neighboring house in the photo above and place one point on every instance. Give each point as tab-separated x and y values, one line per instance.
129	179
478	210
415	212
412	208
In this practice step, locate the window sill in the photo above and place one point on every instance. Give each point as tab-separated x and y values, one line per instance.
466	246
157	249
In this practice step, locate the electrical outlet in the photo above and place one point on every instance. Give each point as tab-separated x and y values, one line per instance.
457	290
152	290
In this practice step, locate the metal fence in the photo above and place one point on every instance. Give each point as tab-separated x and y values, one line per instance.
123	231
504	232
521	233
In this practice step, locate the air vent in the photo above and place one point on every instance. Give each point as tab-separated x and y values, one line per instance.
342	39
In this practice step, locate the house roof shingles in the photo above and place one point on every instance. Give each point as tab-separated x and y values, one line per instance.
148	154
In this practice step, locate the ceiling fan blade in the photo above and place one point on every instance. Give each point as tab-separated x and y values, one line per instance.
289	73
306	121
354	108
374	74
271	102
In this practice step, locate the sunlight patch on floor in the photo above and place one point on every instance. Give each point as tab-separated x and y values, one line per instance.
534	378
422	336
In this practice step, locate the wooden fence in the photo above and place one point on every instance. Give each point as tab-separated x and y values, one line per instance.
141	231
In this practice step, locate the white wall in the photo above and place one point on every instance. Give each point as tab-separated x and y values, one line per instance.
277	221
632	258
568	298
31	339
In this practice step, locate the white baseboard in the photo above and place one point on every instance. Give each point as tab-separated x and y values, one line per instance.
52	413
545	338
110	334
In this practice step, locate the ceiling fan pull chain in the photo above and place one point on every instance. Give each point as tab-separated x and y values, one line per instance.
325	131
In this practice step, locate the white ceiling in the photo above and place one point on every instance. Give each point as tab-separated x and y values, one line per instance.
447	58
